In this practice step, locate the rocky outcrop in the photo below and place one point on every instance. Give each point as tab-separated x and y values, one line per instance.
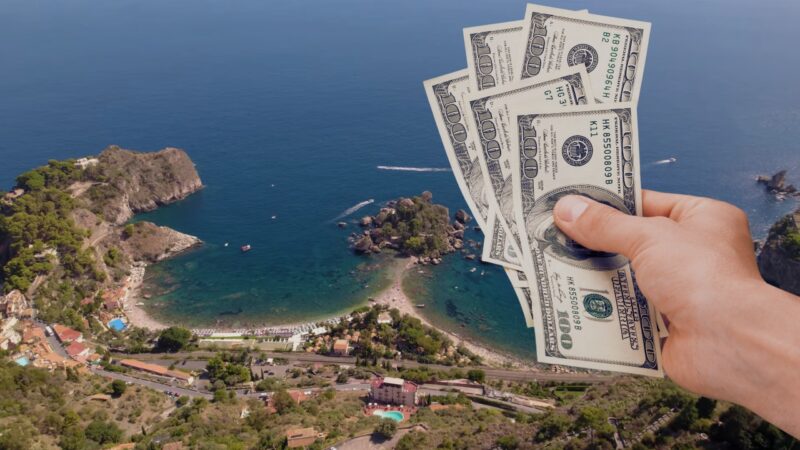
415	227
777	185
462	216
127	182
779	259
148	242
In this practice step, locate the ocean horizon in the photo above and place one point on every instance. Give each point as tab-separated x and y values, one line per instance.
301	115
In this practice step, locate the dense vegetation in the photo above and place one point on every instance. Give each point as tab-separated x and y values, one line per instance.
40	220
173	339
414	226
788	234
406	334
52	410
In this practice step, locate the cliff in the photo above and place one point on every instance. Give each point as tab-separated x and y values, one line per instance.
62	238
127	182
779	259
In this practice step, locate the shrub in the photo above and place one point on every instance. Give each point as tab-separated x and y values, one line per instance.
386	428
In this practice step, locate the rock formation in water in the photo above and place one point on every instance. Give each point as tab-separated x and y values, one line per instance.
413	226
779	259
777	185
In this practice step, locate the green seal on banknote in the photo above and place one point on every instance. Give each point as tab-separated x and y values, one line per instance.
597	306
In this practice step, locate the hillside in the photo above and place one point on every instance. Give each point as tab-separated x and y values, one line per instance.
779	259
62	227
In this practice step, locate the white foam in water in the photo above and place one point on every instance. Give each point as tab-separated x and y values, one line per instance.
354	208
664	161
415	169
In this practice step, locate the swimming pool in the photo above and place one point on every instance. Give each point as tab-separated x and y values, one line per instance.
117	324
22	361
397	416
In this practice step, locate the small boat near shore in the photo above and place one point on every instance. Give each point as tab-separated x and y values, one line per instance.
246	248
420	305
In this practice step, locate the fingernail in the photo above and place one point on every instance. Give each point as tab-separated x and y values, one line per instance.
570	208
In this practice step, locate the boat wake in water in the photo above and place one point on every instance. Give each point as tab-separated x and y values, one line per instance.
354	208
663	161
414	169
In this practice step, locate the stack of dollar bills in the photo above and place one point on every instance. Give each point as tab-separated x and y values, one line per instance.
546	108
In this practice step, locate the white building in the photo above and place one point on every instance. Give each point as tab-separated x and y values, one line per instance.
83	163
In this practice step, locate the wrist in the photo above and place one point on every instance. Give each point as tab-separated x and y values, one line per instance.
764	353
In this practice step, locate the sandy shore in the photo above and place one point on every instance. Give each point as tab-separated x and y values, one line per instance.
136	315
394	297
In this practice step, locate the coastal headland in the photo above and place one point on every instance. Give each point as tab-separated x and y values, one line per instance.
66	243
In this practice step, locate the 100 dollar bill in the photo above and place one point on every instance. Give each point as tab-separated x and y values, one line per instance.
612	50
492	127
494	53
591	310
447	97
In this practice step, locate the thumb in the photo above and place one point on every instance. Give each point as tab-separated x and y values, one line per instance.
601	227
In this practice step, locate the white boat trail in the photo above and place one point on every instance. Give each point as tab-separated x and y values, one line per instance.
354	208
663	161
415	169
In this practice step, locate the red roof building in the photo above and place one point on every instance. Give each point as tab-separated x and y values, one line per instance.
77	350
155	369
341	347
393	391
67	334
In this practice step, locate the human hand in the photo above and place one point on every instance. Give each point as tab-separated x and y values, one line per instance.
731	336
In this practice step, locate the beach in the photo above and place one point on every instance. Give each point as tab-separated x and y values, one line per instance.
394	297
136	315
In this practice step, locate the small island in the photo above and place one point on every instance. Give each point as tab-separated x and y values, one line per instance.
413	227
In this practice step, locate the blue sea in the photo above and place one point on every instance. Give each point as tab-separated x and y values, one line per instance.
288	108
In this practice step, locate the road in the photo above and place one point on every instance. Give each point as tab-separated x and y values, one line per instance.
152	384
491	372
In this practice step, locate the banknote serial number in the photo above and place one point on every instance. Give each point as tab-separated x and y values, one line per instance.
560	94
608	146
615	39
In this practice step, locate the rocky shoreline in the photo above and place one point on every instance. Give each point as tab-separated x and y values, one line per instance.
776	184
413	227
395	297
95	250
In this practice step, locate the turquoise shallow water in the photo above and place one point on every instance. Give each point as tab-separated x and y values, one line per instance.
288	108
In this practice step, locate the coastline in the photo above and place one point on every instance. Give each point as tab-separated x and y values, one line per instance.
135	313
394	297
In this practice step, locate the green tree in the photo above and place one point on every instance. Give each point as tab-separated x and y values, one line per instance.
685	418
32	180
118	388
72	439
386	428
103	432
129	230
174	339
706	406
476	375
508	442
282	401
15	438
